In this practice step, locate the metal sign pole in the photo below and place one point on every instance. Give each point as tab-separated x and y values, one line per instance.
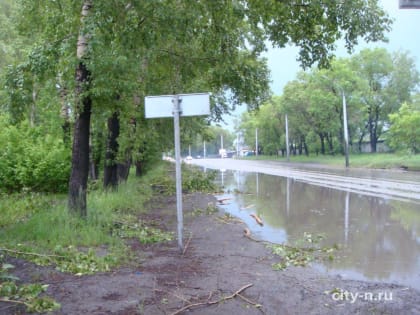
195	104
176	113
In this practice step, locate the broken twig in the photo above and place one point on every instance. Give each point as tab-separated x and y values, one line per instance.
186	245
257	219
208	302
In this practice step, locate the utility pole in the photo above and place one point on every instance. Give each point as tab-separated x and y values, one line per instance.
345	128
256	141
346	132
287	139
204	149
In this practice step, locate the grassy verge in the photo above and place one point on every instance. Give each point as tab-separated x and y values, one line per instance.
38	228
368	160
36	222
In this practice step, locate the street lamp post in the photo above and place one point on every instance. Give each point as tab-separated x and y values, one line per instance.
287	139
256	141
346	132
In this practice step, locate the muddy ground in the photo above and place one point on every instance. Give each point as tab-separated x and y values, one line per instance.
220	272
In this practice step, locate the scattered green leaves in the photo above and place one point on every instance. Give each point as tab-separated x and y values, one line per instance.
300	255
4	272
28	295
67	259
194	179
145	232
210	209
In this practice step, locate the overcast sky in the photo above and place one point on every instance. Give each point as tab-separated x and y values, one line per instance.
404	36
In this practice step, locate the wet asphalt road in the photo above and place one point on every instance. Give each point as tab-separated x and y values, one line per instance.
390	184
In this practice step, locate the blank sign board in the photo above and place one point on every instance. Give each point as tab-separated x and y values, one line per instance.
409	4
197	104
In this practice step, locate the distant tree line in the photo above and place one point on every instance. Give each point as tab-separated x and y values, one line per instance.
381	94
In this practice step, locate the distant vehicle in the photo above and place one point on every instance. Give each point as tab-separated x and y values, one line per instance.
188	159
249	153
168	158
198	157
223	153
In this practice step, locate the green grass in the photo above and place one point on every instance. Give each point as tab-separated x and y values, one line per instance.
43	221
368	160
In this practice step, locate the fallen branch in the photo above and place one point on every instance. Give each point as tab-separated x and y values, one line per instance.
30	254
186	245
247	233
221	201
228	220
13	301
257	219
208	302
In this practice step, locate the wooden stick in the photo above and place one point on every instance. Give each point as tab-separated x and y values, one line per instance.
257	219
30	254
186	245
13	301
213	302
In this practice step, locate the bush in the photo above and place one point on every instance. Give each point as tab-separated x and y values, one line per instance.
31	159
404	133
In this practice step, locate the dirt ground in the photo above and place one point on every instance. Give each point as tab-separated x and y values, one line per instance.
220	272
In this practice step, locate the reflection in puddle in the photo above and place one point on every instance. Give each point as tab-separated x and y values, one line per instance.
380	238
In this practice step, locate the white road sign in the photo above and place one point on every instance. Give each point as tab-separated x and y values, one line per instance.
197	104
409	4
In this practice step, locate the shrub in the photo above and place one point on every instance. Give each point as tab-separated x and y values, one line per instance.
31	159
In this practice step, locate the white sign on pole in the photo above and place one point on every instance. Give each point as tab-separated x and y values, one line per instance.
197	104
175	106
409	4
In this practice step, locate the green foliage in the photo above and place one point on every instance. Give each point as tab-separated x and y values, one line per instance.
404	133
69	259
40	229
375	84
28	295
302	253
16	208
194	180
5	272
32	159
363	160
130	227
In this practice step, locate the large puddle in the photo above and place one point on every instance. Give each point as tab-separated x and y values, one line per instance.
379	238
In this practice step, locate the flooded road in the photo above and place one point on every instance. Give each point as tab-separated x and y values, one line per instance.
373	216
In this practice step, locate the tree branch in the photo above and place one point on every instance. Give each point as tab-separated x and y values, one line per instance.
208	302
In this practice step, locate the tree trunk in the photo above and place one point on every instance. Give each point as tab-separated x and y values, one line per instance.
80	150
32	114
123	170
64	113
330	143
305	147
139	168
110	169
359	143
322	140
